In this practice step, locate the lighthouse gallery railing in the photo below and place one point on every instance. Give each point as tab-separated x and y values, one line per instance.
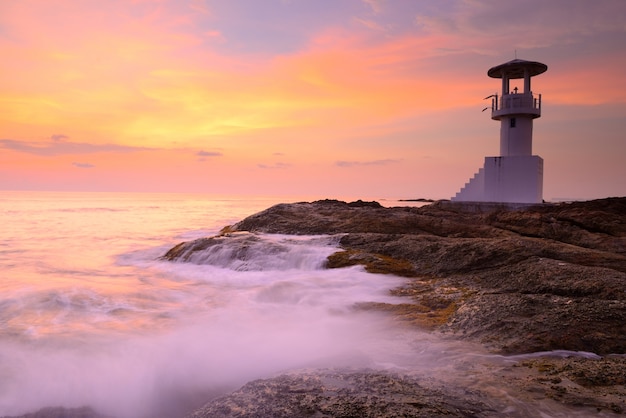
516	103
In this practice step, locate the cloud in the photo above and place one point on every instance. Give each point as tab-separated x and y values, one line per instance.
276	166
370	24
376	5
59	137
83	165
366	163
200	6
64	148
214	34
529	24
209	154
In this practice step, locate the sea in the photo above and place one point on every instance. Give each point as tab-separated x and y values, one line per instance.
91	315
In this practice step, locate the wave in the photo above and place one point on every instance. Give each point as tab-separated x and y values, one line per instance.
257	252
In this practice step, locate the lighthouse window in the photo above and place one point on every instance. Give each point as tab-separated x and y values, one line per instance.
513	122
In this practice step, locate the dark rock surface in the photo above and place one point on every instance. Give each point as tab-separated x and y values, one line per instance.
59	412
532	279
346	394
538	387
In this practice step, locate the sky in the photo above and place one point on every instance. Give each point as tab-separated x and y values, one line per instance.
376	99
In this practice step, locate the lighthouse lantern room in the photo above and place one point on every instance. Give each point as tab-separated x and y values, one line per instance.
516	176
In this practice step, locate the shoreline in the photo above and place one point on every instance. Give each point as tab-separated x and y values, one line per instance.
527	279
522	283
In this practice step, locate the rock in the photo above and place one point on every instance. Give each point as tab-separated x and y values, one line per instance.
334	217
599	383
59	412
338	394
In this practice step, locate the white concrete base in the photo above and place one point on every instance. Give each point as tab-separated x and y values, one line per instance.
514	179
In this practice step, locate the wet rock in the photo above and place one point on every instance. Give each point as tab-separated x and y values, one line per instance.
346	394
58	412
599	383
243	250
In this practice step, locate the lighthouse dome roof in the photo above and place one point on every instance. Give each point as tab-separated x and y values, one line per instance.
516	68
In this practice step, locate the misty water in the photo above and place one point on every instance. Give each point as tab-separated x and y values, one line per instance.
89	314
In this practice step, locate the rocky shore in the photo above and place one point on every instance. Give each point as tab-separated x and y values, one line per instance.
534	279
539	279
517	280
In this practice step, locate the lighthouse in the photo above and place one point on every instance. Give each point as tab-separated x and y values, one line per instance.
516	175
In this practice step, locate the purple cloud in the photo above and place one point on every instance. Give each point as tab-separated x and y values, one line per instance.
277	166
362	163
83	165
209	154
59	147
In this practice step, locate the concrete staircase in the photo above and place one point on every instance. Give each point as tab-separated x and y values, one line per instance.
474	189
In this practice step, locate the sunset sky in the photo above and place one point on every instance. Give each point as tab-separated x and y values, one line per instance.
323	98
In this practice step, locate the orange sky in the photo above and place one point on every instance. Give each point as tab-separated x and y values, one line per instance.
364	98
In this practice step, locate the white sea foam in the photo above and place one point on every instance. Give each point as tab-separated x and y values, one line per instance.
225	327
265	252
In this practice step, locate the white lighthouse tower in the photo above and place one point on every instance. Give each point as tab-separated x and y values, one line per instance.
516	176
